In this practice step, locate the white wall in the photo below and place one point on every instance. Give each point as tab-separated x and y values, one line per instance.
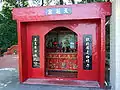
0	5
115	45
35	3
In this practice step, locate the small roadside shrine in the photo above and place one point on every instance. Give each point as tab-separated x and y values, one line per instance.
62	44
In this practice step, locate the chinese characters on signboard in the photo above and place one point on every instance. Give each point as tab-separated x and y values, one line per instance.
87	52
54	11
35	52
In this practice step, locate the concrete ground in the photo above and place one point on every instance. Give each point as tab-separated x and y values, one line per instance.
9	78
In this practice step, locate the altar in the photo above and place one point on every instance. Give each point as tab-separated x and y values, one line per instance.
61	62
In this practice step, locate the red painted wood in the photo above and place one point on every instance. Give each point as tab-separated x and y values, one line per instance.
36	29
21	75
89	28
90	20
81	28
86	11
103	51
23	61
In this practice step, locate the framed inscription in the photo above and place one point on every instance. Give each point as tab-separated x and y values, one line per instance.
35	52
87	52
55	11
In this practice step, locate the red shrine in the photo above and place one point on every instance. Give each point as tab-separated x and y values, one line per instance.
62	43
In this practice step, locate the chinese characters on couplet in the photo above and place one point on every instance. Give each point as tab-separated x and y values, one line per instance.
87	52
35	52
54	11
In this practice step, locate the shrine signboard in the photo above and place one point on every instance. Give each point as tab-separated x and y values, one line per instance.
55	11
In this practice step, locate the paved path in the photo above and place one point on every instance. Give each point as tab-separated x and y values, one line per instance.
9	78
9	61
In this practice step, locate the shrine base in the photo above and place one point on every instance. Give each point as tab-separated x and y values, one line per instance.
61	82
62	74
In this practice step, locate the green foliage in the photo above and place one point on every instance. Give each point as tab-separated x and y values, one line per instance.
8	31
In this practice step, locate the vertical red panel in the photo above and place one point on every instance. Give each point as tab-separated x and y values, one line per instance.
22	51
42	52
33	30
31	71
103	51
88	29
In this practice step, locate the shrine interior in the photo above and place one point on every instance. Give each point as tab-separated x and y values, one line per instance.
61	53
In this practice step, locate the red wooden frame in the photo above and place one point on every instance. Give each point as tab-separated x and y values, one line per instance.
92	14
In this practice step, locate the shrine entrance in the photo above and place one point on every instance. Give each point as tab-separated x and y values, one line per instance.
61	53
